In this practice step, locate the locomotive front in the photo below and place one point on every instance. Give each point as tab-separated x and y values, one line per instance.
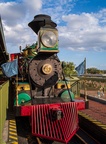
43	93
45	68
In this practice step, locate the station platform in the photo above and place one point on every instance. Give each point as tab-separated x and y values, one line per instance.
10	131
96	111
5	132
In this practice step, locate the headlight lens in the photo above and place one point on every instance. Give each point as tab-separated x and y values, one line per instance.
49	38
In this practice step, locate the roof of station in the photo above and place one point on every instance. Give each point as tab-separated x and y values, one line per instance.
3	51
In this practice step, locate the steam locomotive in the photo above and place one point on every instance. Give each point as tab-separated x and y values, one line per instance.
42	93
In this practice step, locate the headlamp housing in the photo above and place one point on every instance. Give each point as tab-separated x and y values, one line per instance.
48	40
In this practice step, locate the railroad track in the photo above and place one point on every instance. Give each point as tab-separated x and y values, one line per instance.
82	137
25	137
89	125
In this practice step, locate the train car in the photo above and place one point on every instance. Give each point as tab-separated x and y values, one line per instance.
42	93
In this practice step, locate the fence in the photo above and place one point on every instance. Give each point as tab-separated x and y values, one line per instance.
3	106
93	86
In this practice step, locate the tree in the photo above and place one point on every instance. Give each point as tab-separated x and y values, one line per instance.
93	71
68	68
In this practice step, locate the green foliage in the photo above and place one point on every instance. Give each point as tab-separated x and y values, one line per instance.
92	83
68	68
94	71
104	71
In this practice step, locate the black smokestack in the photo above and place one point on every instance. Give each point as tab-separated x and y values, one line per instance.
41	20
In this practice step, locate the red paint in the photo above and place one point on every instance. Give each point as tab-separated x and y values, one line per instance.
43	124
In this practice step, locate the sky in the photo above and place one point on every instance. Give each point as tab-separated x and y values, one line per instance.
81	25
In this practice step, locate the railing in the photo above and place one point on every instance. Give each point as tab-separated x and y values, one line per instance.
3	106
93	86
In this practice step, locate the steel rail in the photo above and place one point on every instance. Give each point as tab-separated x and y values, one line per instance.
85	138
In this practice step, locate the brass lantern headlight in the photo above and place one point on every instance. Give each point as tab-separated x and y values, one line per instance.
49	39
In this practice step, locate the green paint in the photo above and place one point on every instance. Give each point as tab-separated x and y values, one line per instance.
22	98
65	95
